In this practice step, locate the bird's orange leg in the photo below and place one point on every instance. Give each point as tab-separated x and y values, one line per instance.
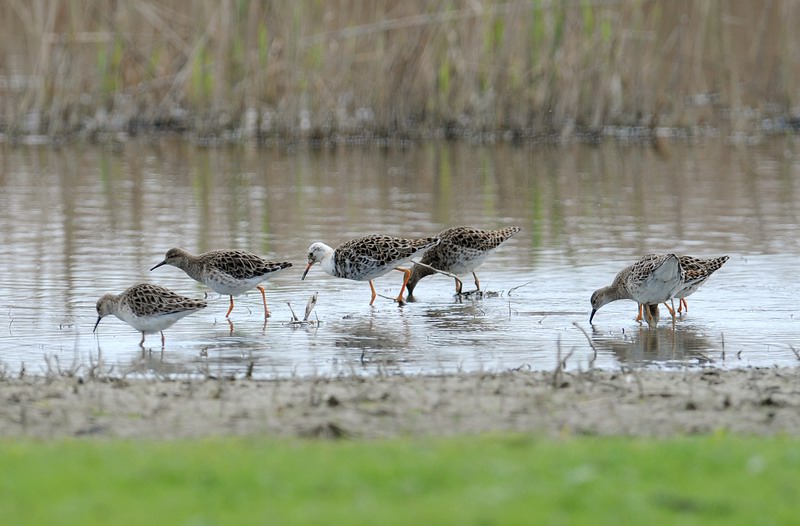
374	294
639	317
459	286
683	304
162	338
229	308
477	282
141	343
264	297
671	311
407	273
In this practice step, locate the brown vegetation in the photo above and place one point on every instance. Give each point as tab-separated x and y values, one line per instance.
360	69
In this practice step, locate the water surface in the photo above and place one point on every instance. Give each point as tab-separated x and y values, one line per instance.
81	221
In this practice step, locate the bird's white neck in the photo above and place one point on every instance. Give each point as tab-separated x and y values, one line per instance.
327	263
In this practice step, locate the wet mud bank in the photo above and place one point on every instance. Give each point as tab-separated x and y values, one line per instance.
755	401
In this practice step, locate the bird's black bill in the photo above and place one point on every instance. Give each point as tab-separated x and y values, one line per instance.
162	263
592	315
96	324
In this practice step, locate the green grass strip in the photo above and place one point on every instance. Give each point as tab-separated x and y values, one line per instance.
475	480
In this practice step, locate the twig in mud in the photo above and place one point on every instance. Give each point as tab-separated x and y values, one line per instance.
796	353
312	302
249	372
295	321
557	373
94	367
512	289
591	343
567	357
386	297
560	365
636	377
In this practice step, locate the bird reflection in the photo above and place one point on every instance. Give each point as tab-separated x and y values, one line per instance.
374	339
153	363
645	346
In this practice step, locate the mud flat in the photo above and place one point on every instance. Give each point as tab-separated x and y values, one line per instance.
635	403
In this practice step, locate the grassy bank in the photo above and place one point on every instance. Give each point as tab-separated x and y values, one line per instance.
486	480
352	70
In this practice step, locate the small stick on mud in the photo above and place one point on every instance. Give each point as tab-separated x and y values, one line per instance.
591	344
796	353
295	321
384	296
635	374
558	373
512	289
312	302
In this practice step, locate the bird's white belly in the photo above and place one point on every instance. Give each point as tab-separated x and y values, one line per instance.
153	323
467	265
224	284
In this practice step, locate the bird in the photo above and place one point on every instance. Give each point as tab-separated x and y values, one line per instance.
696	271
147	308
366	258
462	249
653	279
228	272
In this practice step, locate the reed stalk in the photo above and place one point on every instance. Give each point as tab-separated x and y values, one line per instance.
358	69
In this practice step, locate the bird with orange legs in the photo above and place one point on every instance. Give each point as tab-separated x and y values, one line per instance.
228	272
369	257
696	271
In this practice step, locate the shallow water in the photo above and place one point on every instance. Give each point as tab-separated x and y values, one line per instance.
78	222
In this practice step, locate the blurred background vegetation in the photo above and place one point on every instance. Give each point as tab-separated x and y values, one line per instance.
350	70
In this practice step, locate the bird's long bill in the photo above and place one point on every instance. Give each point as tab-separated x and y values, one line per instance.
96	324
592	315
308	267
162	263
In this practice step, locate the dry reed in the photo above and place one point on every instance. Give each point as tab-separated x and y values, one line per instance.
356	69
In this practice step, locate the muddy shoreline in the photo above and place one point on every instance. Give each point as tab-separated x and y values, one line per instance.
631	403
